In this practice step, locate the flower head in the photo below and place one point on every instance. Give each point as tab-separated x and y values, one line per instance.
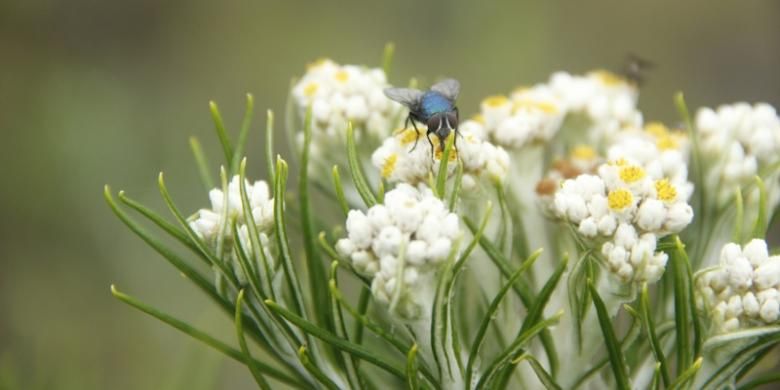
742	291
400	245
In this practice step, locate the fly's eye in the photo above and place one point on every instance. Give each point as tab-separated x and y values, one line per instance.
452	119
434	122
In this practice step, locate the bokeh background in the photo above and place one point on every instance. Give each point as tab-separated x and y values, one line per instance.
95	92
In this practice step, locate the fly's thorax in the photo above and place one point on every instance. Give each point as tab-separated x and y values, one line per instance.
433	103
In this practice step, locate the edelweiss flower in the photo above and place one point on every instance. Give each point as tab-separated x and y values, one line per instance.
629	209
743	290
738	141
338	94
406	157
400	245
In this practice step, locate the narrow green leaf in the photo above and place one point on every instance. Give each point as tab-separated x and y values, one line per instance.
387	58
340	329
764	379
536	311
358	178
281	237
740	215
204	338
682	310
655	344
544	377
340	190
362	309
457	186
687	375
343	345
411	369
246	123
610	340
759	228
506	356
269	143
254	239
323	379
698	332
479	339
656	383
202	162
441	177
316	272
219	126
248	360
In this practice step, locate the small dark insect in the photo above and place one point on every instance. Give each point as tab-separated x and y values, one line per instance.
634	68
434	107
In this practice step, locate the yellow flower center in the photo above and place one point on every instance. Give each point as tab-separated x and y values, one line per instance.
479	118
665	190
631	173
342	76
389	166
583	152
607	77
667	142
310	89
619	199
439	147
317	63
657	129
407	136
546	107
619	162
495	101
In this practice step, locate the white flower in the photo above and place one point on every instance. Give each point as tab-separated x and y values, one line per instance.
407	156
338	94
742	290
737	140
409	235
208	222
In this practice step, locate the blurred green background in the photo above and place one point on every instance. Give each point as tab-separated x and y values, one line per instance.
95	92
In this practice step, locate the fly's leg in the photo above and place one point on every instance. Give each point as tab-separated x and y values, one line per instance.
417	138
428	135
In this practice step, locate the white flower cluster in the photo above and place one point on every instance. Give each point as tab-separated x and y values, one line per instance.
743	290
738	140
227	209
607	99
407	157
338	94
628	210
400	245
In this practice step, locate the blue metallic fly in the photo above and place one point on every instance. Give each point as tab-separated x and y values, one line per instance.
434	107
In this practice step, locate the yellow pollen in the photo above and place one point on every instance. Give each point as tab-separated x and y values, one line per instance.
317	63
342	76
479	118
667	142
631	173
546	107
657	129
665	190
439	147
310	89
389	166
495	101
619	199
607	77
407	136
583	152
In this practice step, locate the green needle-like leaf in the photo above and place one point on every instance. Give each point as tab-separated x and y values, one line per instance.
246	123
219	126
411	369
479	339
682	311
759	228
343	345
249	361
387	58
456	186
269	143
205	338
655	344
441	178
361	184
349	362
616	359
316	272
339	188
765	379
303	355
547	381
687	375
202	162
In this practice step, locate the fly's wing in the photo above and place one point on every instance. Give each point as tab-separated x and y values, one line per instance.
407	96
450	88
